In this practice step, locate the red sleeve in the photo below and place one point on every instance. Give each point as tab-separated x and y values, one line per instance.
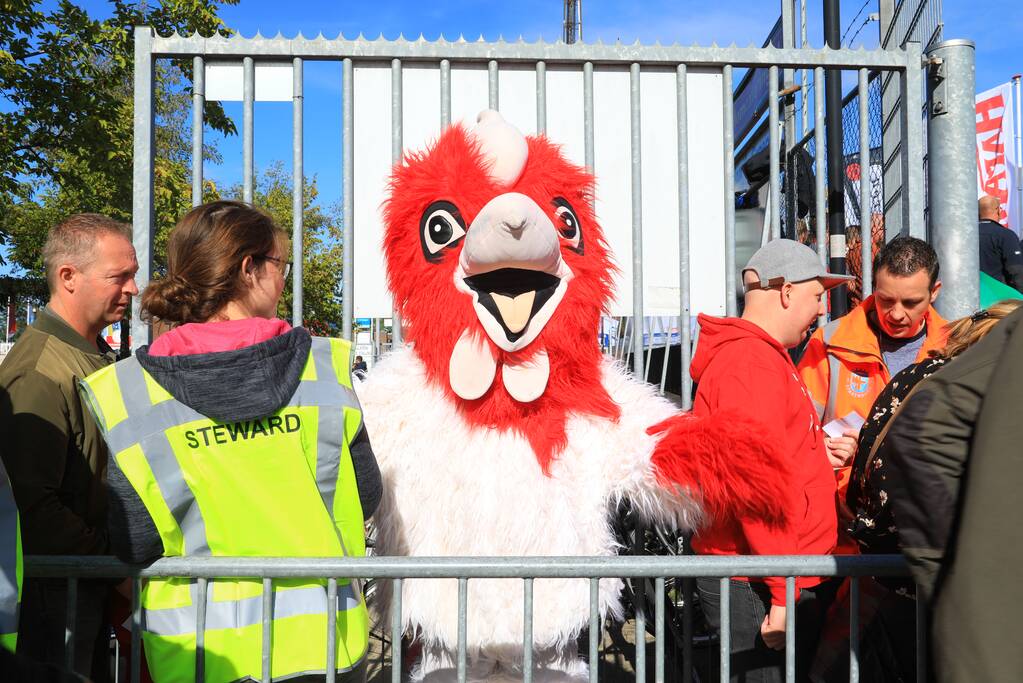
760	388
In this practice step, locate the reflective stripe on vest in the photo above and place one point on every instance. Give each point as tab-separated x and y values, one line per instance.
180	461
834	368
10	564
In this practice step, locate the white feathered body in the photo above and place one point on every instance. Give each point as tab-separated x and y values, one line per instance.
451	489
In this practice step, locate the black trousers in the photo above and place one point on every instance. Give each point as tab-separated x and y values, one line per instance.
749	602
44	619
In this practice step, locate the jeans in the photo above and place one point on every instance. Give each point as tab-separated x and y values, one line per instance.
749	602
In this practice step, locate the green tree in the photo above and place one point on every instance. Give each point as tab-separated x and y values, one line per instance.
66	136
321	245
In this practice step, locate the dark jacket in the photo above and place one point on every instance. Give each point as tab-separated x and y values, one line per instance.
1000	254
955	469
226	386
52	448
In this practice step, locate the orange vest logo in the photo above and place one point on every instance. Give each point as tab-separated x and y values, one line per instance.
858	384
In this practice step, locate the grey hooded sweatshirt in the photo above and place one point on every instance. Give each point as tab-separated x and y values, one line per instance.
228	386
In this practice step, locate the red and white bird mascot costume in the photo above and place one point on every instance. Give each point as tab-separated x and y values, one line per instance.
500	428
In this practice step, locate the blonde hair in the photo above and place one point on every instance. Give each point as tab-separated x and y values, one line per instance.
73	241
965	332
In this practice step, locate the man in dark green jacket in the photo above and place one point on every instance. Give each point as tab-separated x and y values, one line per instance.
955	471
51	447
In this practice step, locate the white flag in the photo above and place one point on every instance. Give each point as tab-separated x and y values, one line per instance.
997	164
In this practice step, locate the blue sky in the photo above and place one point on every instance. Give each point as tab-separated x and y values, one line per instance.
997	30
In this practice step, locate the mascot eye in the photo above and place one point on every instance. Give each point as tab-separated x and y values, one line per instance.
441	226
567	224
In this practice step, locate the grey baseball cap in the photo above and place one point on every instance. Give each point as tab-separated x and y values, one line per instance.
781	261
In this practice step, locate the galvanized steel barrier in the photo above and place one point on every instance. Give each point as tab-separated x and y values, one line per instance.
903	63
395	569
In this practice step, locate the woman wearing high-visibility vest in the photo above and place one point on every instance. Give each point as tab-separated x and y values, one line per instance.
234	434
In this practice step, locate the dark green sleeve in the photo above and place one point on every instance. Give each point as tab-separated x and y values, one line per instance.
36	451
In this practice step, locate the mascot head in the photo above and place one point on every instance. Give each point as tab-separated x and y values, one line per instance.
500	273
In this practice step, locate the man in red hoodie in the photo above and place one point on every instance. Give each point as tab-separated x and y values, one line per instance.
742	364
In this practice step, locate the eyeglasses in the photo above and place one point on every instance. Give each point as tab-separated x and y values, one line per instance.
285	266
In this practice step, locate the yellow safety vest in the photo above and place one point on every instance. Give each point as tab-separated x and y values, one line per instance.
278	486
10	564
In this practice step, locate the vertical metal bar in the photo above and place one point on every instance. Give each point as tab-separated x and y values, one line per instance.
445	93
854	626
667	352
790	629
804	110
492	93
298	190
142	178
640	641
331	630
774	135
267	648
136	630
820	216
658	630
637	224
200	628
198	100
685	347
655	326
725	637
921	637
463	598
588	114
866	219
541	98
687	631
348	198
912	145
951	159
729	157
70	619
1019	154
248	108
527	630
397	147
396	630
594	629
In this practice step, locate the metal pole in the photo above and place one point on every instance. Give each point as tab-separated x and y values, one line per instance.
348	198
298	192
788	32
727	118
866	219
685	350
836	157
804	110
913	145
198	98
637	226
142	178
249	98
397	146
951	158
1019	158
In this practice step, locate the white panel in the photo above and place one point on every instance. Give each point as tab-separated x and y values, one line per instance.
612	159
706	192
226	82
565	111
612	165
516	96
372	163
469	95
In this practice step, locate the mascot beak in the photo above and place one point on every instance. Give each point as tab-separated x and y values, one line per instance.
512	267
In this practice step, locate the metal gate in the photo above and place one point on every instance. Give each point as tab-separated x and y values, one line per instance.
903	65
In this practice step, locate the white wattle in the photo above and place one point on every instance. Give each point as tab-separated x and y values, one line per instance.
472	367
527	381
